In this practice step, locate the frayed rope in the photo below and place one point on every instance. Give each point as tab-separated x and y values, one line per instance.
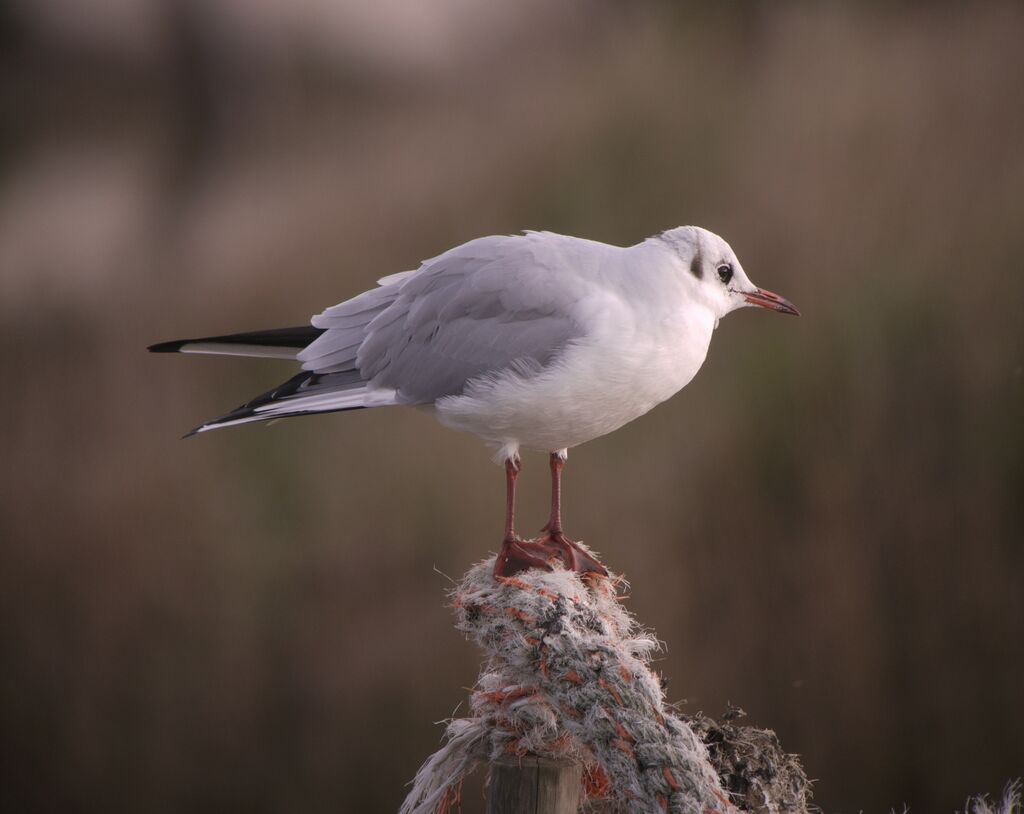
1010	803
567	676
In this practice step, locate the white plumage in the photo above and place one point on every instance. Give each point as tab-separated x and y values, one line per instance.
538	340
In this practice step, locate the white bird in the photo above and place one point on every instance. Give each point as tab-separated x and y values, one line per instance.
538	341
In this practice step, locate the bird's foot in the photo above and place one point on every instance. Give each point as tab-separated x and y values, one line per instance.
575	557
519	555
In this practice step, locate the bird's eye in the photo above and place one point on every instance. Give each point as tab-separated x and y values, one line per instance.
725	273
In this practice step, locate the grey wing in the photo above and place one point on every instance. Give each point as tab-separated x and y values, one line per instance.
346	326
486	306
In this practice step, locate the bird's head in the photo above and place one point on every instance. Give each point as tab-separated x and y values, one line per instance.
715	274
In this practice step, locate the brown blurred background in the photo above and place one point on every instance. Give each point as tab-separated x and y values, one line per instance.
825	527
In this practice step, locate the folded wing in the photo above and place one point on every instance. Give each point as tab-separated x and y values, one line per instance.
489	305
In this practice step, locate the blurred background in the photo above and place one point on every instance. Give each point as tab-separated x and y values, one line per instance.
825	527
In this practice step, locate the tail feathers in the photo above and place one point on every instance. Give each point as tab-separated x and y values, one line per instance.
277	343
303	394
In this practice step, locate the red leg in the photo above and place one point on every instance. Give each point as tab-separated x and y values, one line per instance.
555	521
518	555
511	474
574	557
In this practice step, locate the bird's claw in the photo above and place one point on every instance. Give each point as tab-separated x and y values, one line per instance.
519	555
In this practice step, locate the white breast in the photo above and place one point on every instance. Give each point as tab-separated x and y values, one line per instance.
638	351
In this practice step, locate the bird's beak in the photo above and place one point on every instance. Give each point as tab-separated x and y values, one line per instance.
766	299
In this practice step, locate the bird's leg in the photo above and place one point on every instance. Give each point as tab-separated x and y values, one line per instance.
517	555
554	525
511	474
574	557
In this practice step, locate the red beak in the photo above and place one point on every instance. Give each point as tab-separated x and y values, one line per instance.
766	299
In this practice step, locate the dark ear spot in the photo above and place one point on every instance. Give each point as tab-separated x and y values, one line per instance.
696	266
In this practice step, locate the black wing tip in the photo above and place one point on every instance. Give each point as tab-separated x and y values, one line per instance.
230	419
168	347
297	337
250	410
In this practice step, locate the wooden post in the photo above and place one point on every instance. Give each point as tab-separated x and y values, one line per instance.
533	785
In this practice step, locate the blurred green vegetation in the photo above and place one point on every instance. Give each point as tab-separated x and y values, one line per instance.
825	526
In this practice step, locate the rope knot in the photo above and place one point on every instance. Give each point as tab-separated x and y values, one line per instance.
567	674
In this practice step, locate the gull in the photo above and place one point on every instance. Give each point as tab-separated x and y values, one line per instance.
536	341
